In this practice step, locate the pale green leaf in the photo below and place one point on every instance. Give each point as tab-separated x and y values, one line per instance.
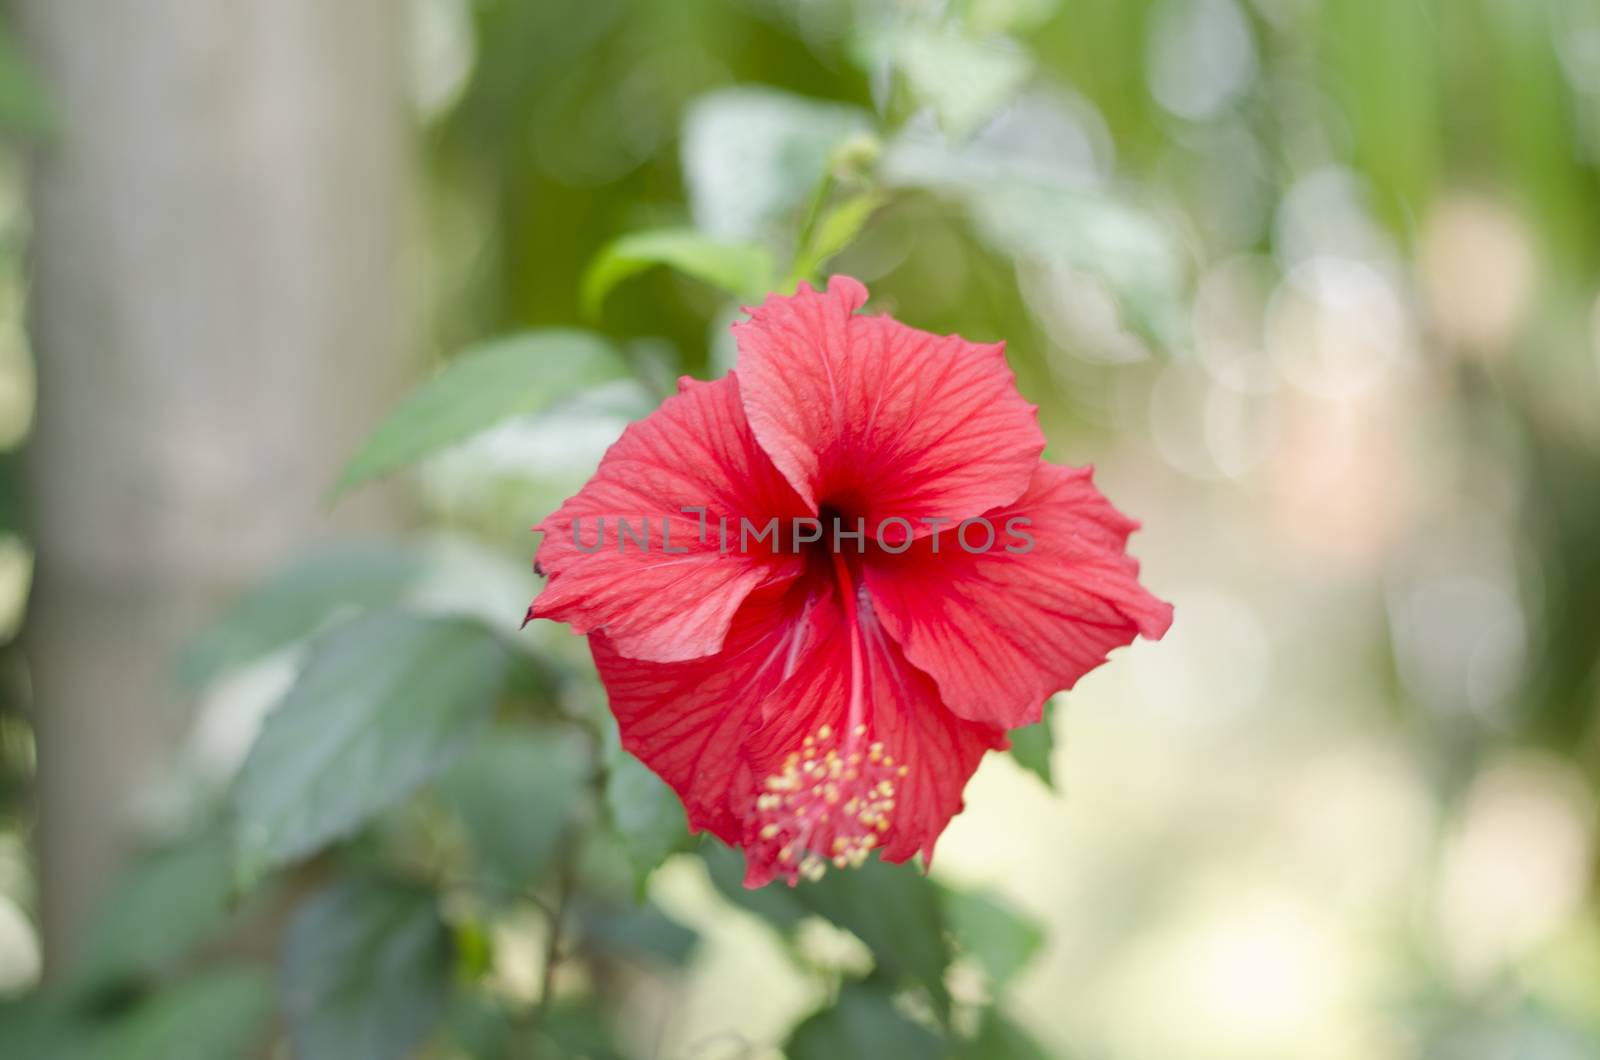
965	79
513	376
753	156
739	268
837	229
1042	206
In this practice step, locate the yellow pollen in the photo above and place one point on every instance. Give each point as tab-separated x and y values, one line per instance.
828	804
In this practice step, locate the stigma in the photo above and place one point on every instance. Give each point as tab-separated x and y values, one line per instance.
830	803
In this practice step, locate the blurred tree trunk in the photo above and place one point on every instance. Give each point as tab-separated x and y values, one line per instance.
217	236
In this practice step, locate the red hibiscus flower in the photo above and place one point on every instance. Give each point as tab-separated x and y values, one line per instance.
819	588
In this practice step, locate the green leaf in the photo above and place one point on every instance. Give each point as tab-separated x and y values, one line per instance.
386	702
1000	1039
965	79
752	156
739	268
988	16
43	1024
479	1023
1029	207
571	1029
25	108
222	1013
893	909
862	1023
1032	745
1001	939
539	772
1099	233
838	228
646	813
635	930
296	601
11	493
513	376
161	906
775	903
366	971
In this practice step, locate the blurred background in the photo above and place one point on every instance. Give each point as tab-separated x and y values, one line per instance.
1315	284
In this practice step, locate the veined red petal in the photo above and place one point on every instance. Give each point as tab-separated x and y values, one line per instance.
652	600
1002	630
799	682
881	419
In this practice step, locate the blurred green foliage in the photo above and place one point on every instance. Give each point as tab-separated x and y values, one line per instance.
608	177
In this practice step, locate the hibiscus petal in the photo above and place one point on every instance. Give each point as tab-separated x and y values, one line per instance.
879	419
719	729
695	451
1000	631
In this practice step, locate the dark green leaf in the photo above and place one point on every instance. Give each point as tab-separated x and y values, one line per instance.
1032	745
752	156
161	906
516	791
366	971
646	813
480	1024
862	1023
741	269
570	1030
1001	939
635	930
513	376
11	490
386	702
220	1014
42	1025
774	903
296	601
1000	1039
895	910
